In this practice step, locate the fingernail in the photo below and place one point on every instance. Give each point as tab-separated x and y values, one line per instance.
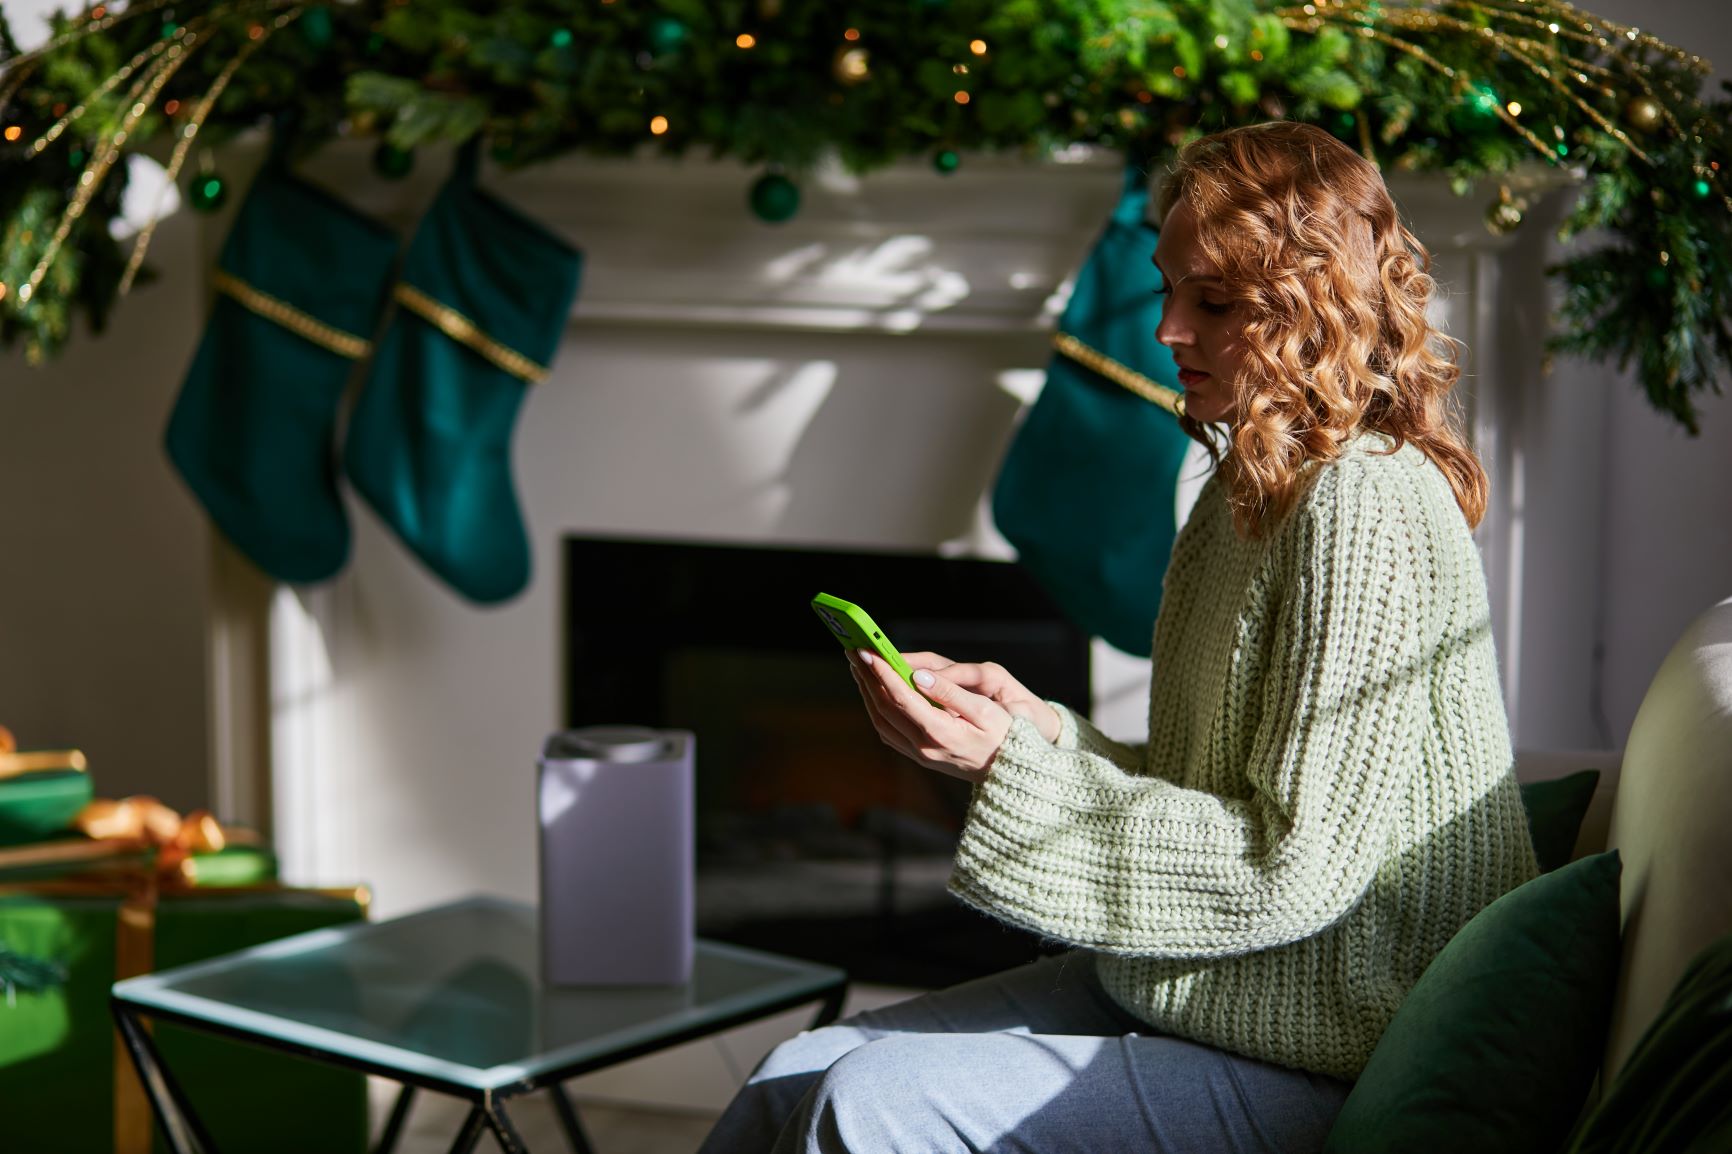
866	657
922	678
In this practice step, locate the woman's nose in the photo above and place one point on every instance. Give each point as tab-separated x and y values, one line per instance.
1170	331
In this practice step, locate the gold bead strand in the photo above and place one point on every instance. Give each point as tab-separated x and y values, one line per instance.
121	75
16	70
143	94
189	131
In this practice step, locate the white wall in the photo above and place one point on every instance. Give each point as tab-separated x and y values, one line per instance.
1668	513
104	559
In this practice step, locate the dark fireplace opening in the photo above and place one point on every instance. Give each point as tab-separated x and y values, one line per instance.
813	838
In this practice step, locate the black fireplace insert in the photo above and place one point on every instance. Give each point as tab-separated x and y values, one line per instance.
814	839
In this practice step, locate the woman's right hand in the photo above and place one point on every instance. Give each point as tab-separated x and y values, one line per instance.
990	679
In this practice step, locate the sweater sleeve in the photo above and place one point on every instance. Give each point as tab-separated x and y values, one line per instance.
1074	845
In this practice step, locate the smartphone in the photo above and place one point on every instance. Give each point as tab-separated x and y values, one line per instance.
856	630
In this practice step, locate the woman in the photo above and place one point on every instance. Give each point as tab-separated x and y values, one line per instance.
1326	794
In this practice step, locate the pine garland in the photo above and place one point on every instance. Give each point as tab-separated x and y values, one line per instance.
1469	88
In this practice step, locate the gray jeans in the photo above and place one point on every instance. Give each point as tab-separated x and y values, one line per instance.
1035	1059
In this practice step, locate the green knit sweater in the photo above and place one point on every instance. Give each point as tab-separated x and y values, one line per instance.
1327	794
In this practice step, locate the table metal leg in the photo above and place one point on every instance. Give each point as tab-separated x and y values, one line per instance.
574	1131
510	1141
394	1124
832	1007
470	1134
180	1125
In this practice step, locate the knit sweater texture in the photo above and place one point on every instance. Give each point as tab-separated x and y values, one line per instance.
1327	793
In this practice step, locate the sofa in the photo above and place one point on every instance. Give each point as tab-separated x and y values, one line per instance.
1665	805
1590	1009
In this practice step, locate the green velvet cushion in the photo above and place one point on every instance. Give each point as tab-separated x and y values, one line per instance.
1555	812
1495	1047
1675	1091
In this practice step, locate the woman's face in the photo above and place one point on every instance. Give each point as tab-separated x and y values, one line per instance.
1199	321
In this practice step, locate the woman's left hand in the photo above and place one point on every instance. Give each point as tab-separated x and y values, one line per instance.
960	738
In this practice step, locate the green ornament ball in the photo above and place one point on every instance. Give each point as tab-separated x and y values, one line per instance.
946	162
774	198
391	162
208	192
1477	110
561	38
666	35
316	28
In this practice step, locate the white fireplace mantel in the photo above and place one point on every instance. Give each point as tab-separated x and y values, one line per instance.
989	248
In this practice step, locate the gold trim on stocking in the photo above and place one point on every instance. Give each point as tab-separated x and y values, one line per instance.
306	327
466	332
1120	374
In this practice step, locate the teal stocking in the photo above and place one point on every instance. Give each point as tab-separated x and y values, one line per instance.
483	300
1085	491
300	285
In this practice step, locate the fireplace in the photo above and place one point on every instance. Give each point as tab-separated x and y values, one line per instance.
813	838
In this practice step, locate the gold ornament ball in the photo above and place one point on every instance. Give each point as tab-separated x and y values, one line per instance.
851	65
1643	114
1502	218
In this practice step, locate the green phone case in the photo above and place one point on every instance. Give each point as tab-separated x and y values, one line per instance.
851	625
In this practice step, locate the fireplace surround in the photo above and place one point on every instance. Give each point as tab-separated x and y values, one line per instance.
814	839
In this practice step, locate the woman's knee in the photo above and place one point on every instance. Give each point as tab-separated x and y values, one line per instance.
872	1098
809	1052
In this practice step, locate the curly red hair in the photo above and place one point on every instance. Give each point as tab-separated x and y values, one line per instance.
1334	290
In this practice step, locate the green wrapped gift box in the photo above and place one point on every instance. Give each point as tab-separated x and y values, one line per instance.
70	1088
38	803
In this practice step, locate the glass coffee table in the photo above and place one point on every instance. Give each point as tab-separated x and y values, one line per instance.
448	999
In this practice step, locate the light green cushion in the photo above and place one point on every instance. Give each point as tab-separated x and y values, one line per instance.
1555	811
1496	1046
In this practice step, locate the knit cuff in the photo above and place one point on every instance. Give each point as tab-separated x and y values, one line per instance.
1014	810
1067	726
1077	733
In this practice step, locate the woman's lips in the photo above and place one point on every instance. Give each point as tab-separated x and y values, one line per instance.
1189	377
